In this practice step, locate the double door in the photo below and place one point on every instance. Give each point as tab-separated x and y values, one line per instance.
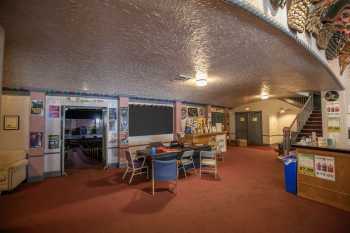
249	127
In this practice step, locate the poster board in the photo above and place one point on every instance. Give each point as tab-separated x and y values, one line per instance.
306	164
325	167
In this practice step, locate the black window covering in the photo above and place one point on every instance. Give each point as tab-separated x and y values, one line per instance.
217	117
150	120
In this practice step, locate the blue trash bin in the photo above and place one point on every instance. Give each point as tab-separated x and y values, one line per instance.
290	174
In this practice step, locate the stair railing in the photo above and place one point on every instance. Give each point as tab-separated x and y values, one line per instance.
290	133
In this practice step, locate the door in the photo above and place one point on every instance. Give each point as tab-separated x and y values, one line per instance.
241	125
254	128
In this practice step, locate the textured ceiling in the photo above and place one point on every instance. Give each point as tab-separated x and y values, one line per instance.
137	47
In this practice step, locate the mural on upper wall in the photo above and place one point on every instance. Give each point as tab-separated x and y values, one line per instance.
328	21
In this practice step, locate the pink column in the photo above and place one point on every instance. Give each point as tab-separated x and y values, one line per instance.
209	115
36	137
123	132
177	117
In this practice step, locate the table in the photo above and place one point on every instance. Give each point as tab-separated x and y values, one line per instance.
176	153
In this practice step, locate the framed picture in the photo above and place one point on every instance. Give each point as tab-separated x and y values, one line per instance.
36	140
192	112
11	122
37	107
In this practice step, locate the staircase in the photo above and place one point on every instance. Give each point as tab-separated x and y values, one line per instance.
307	121
313	124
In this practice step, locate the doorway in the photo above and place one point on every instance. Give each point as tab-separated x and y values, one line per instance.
249	127
83	138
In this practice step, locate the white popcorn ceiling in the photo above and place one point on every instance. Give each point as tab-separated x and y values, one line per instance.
137	47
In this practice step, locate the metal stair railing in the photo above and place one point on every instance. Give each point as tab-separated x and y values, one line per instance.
290	133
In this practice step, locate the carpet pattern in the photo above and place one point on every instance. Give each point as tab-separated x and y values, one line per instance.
248	197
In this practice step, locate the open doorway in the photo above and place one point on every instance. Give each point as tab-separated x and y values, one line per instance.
83	132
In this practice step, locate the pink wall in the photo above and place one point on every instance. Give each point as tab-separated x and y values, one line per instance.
177	117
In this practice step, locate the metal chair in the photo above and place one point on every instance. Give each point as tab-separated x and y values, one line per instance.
135	166
187	161
164	170
208	163
219	151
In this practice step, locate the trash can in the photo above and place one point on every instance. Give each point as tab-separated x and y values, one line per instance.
290	174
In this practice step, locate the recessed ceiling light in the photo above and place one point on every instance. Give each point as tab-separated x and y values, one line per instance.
282	110
247	108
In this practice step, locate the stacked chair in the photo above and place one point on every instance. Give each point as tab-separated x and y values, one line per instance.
208	163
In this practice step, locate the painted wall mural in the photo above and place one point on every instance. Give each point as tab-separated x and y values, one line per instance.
328	21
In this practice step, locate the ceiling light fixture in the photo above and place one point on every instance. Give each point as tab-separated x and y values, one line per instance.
201	79
282	110
247	108
264	96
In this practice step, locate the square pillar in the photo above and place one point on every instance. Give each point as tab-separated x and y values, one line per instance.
123	133
36	137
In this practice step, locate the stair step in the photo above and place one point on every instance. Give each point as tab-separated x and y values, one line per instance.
316	115
315	118
313	127
311	130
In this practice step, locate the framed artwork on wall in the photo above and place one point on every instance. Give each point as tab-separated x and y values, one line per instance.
11	122
37	107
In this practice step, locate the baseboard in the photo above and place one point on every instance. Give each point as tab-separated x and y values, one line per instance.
34	179
113	165
52	174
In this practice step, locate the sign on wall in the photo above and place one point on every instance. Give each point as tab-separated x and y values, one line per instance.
53	142
36	139
325	167
54	111
37	107
334	124
306	164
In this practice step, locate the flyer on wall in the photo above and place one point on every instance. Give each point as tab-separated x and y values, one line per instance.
306	164
37	107
54	111
325	167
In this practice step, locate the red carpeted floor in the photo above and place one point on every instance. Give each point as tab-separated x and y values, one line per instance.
249	197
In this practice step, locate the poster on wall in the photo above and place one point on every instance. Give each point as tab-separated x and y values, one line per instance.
112	114
306	165
54	111
334	124
333	108
124	138
37	107
112	139
183	113
192	112
11	122
36	139
111	126
53	142
325	167
124	119
331	96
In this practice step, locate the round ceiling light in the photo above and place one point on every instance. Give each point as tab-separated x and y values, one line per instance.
201	79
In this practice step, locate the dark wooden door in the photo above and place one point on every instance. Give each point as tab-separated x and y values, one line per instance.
255	128
241	125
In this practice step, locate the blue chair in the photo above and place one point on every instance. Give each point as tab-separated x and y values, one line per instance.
164	170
